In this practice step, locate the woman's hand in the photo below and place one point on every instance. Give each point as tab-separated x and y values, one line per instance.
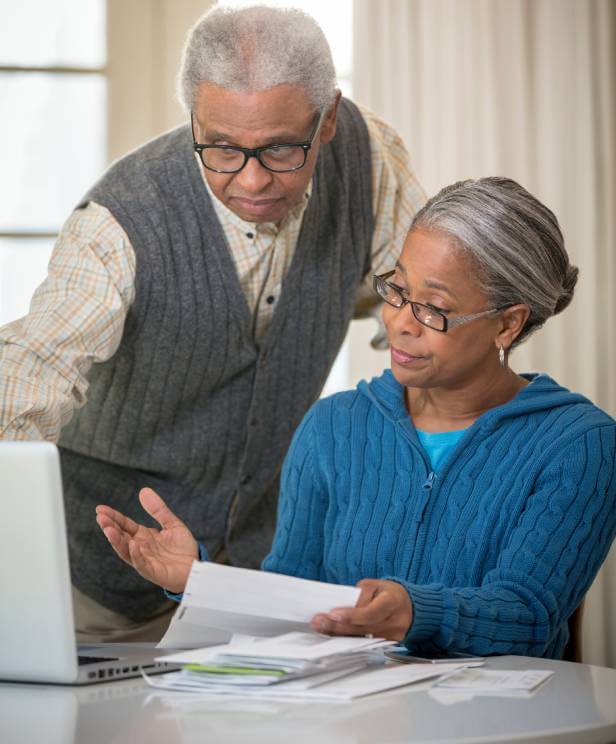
384	610
163	556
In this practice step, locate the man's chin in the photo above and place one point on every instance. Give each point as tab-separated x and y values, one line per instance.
258	211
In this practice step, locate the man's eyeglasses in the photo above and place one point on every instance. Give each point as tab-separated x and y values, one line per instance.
282	158
424	314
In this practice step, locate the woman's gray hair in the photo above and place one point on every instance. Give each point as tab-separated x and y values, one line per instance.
513	239
256	48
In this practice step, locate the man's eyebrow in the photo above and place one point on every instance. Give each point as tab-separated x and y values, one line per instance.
281	138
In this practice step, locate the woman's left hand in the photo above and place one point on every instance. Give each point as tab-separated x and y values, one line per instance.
384	610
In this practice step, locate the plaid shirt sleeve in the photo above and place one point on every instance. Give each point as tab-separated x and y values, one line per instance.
76	318
397	197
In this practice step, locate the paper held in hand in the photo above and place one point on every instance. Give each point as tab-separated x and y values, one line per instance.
222	600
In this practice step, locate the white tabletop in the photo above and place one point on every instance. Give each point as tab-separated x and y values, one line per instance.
578	704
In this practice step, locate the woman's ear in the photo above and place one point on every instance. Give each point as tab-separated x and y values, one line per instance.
513	320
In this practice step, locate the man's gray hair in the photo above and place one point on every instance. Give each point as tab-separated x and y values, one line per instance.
256	48
514	240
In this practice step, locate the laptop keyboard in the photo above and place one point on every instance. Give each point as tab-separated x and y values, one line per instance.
83	660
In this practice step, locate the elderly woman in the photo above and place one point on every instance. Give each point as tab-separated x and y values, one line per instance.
473	505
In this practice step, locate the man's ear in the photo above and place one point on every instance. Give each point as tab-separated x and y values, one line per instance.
328	127
513	321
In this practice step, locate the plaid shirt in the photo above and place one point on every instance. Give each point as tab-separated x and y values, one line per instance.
77	314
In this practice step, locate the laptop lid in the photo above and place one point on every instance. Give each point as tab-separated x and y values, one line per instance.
37	637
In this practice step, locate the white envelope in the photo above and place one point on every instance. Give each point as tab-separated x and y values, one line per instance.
222	600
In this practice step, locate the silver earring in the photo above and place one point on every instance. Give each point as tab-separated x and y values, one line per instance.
501	356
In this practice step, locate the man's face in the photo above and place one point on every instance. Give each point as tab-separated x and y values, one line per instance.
276	116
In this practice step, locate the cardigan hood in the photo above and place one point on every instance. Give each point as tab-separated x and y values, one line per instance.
543	393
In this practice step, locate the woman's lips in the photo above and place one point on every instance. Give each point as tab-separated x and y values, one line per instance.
401	357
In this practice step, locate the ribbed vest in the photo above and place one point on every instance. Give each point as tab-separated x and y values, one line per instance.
190	404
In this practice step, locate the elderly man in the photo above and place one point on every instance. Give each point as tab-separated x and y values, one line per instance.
197	298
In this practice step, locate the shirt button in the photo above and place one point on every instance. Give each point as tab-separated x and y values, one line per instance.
250	235
270	300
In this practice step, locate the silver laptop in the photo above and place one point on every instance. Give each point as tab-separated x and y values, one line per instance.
37	635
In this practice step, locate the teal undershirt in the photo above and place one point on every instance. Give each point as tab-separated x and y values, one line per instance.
438	445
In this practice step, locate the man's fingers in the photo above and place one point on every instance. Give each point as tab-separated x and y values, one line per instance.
157	509
118	542
120	520
107	520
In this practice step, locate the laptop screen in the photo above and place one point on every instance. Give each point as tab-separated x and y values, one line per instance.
37	641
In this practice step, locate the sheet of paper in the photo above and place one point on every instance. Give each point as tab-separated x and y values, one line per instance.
306	646
207	653
490	681
291	646
182	634
222	600
380	679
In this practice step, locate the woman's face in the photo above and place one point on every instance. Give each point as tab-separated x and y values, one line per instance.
432	271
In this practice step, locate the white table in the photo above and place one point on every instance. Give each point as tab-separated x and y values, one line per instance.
577	705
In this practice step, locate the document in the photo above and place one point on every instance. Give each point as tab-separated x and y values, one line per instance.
222	600
493	682
378	680
290	648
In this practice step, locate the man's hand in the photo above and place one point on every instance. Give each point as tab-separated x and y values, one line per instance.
384	610
163	556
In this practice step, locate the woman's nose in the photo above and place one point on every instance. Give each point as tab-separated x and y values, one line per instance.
402	320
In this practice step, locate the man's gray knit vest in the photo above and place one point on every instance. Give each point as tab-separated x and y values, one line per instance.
190	404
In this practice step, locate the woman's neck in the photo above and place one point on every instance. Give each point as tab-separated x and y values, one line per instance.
451	408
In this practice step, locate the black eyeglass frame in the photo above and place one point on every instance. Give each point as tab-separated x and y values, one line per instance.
448	324
257	151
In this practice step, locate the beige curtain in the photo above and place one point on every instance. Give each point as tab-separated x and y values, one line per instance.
526	89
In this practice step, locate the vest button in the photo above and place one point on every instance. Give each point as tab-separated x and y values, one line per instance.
246	479
270	300
250	235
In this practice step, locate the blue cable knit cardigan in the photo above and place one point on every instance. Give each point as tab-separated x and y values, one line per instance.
496	549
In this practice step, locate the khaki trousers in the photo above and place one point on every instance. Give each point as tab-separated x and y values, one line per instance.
96	624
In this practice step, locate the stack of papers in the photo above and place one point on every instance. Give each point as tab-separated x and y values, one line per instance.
305	665
251	662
